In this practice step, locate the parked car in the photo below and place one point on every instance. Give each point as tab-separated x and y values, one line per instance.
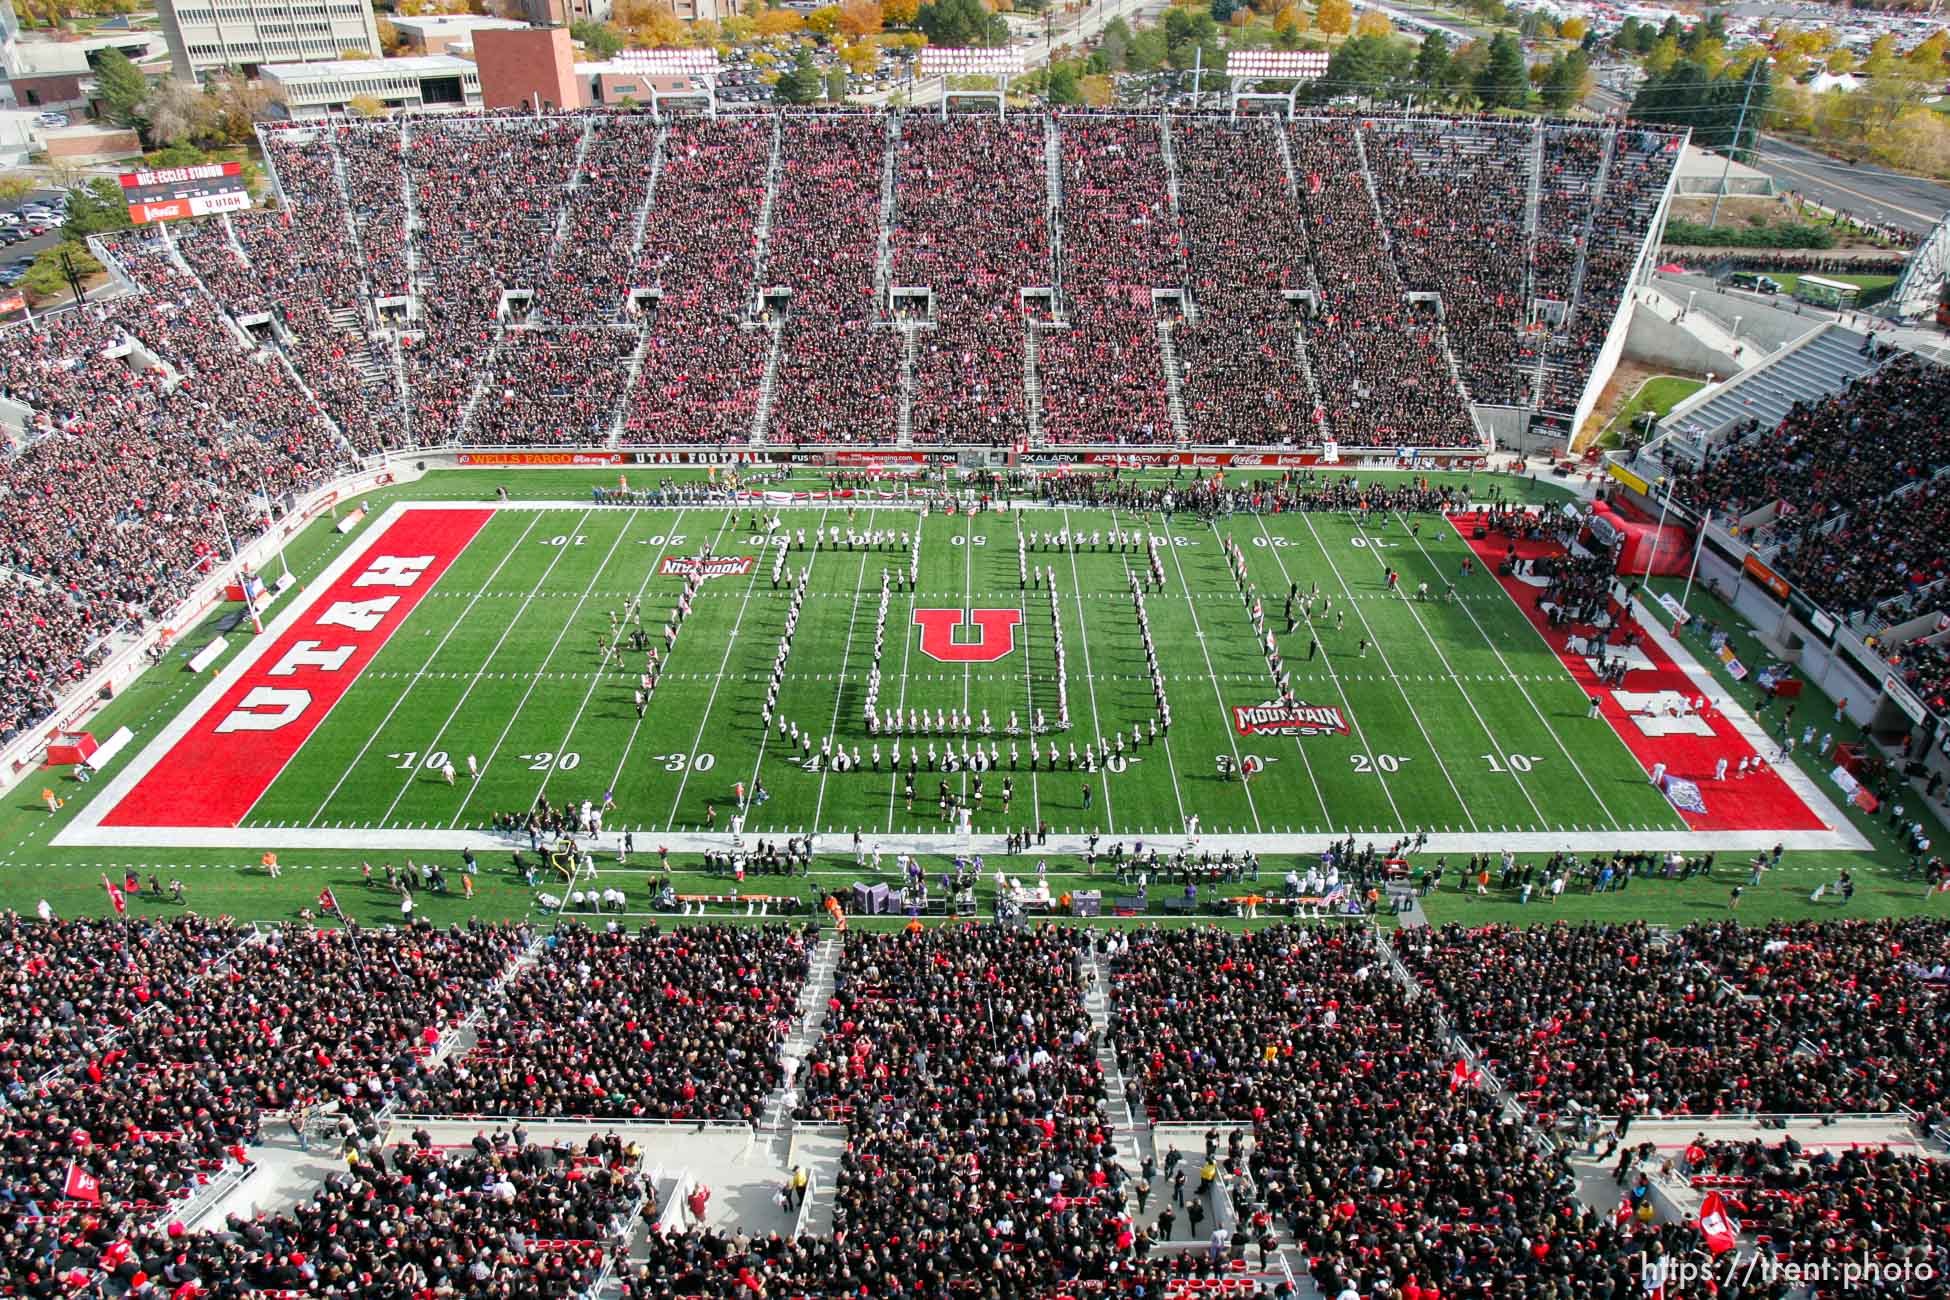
52	119
1753	280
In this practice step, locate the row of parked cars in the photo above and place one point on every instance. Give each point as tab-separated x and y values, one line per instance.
35	217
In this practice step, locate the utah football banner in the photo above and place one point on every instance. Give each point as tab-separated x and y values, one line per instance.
1717	1224
81	1185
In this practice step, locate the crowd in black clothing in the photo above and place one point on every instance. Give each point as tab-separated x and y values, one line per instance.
146	1054
1378	359
631	1024
502	1218
1245	248
1861	519
1616	1018
1393	1173
1869	1207
1454	199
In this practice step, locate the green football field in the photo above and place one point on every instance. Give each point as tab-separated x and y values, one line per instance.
1458	717
1439	682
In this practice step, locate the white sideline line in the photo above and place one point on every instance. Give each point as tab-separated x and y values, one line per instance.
730	643
839	689
1505	663
1083	641
533	681
412	681
1420	726
1212	673
1360	732
599	676
967	669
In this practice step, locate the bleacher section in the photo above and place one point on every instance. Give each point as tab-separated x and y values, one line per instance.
1807	373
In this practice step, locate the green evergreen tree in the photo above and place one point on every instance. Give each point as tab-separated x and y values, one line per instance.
123	87
1505	80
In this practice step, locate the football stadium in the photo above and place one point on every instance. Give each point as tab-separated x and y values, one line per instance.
966	703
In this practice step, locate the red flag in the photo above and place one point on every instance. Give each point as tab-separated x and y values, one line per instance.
115	896
328	902
82	1185
1717	1224
1458	1075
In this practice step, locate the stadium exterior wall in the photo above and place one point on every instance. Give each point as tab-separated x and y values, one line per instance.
1653	339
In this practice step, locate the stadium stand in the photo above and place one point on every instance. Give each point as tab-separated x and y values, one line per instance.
578	278
965	1069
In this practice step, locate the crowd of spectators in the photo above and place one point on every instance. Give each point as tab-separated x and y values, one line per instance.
1103	376
1390	1171
1859	515
972	224
147	1054
1866	1207
702	361
1618	1018
645	1024
500	1219
1378	359
838	373
1634	183
1240	377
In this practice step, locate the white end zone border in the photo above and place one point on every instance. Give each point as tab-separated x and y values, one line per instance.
86	828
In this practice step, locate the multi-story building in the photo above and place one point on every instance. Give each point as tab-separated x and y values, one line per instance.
209	35
421	81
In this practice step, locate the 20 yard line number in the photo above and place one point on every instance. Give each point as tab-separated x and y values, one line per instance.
567	761
579	539
1389	763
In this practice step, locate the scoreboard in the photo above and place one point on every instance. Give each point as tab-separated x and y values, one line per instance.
170	193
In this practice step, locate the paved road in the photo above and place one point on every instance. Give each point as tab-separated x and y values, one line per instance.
1866	191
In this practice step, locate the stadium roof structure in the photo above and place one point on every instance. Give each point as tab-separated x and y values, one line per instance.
1001	63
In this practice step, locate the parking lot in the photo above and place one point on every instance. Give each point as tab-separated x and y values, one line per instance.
20	246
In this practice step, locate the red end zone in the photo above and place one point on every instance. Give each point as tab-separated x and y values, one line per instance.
1758	801
217	770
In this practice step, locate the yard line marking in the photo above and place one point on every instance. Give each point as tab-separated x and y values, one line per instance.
1543	822
764	728
513	714
907	653
1360	732
1198	634
839	691
1083	640
1307	517
598	677
730	643
1171	764
414	679
1484	633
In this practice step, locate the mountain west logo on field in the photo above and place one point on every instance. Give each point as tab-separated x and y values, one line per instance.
1289	719
713	566
997	628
